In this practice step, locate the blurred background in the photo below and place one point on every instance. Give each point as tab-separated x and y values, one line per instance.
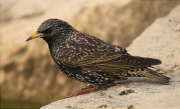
29	77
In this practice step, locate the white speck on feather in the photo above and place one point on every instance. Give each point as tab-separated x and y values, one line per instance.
117	49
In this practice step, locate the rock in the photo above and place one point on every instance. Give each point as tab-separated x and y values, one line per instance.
160	41
157	41
27	70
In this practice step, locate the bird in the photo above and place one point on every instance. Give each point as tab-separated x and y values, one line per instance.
91	60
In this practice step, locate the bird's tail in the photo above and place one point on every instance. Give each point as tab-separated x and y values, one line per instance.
146	72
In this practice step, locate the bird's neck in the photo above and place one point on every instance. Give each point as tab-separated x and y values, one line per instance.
52	43
55	42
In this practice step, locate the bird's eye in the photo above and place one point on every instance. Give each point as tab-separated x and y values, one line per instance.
48	30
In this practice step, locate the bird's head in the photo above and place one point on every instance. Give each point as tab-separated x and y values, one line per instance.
51	29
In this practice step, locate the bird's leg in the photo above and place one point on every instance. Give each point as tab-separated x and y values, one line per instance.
87	89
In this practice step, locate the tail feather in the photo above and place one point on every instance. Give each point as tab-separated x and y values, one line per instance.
154	75
142	61
138	67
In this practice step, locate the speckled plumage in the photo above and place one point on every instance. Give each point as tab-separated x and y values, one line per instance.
91	60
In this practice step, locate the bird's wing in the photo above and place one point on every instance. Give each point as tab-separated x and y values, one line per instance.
92	54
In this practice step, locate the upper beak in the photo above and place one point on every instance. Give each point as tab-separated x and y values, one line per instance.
34	36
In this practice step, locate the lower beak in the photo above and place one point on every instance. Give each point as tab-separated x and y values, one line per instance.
34	36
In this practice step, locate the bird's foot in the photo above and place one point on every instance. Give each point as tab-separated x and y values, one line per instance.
82	91
88	87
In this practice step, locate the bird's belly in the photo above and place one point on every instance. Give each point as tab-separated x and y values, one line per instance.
88	76
92	77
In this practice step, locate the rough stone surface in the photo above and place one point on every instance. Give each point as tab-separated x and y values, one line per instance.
160	40
27	70
149	95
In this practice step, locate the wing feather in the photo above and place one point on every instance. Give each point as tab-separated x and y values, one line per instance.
92	54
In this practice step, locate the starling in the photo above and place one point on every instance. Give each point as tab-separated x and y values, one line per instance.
90	60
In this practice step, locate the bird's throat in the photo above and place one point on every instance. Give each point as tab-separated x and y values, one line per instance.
55	42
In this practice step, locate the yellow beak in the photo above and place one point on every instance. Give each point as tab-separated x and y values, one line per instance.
34	36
